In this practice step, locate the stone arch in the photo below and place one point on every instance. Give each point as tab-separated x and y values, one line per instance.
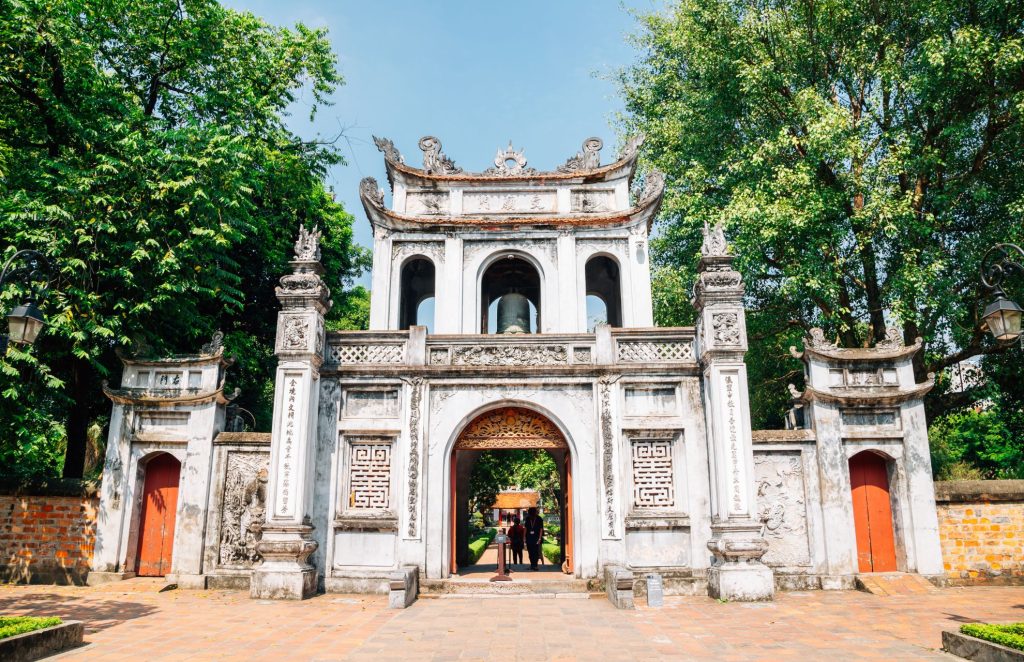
533	287
603	280
513	425
417	282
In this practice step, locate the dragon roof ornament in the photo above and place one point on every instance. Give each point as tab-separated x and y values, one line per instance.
434	160
587	159
389	150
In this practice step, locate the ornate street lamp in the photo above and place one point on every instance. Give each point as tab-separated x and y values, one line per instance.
1003	315
25	321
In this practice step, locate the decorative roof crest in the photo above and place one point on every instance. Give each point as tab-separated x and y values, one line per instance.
369	190
815	339
631	147
893	339
434	160
588	159
509	162
389	150
714	244
307	246
654	184
215	346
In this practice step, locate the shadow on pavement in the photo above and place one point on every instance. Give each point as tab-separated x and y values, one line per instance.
97	614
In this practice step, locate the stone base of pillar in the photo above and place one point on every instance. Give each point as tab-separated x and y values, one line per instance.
741	582
96	578
838	583
285	573
738	573
182	580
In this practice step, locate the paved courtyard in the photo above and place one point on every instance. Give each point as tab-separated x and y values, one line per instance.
133	621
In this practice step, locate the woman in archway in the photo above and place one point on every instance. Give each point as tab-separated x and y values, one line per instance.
534	535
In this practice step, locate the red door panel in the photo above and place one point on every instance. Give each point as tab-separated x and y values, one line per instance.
156	522
872	513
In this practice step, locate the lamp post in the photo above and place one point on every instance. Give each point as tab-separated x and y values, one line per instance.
25	321
1003	315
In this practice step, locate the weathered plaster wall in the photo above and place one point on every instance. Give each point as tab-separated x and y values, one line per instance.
981	527
47	539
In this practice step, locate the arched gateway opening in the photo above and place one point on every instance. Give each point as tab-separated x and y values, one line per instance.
510	431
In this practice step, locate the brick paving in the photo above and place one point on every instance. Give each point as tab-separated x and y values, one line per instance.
132	621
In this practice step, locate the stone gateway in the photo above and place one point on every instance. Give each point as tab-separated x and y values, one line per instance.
480	339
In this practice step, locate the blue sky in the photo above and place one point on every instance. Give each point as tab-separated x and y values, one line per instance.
474	74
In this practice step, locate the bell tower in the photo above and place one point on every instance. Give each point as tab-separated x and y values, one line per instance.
511	250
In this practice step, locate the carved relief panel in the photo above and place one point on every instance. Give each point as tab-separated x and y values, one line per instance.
243	508
369	474
592	201
781	507
653	474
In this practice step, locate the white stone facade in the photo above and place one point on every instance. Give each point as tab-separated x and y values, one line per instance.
652	424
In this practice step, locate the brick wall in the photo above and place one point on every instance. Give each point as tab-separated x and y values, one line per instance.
981	527
47	539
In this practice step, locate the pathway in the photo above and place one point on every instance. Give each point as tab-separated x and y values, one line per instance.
131	621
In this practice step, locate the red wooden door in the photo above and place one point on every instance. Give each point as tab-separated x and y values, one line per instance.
872	513
567	524
156	523
453	567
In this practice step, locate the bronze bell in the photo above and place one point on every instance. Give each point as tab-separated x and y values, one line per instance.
513	313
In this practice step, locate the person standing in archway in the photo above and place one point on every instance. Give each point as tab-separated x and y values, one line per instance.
516	538
534	536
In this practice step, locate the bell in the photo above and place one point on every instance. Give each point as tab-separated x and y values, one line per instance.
513	314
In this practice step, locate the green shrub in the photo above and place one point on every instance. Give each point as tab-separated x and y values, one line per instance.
552	552
974	444
479	544
1011	636
12	625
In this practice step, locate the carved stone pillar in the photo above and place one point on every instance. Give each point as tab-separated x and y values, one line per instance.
287	534
736	542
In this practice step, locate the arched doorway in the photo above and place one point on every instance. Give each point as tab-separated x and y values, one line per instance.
872	513
510	275
501	429
157	518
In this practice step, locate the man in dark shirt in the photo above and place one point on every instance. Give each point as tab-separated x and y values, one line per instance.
534	536
516	538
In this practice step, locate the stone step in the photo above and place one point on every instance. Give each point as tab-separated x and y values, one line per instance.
449	587
895	583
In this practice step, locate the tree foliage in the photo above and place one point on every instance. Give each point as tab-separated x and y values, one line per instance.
862	157
496	471
144	149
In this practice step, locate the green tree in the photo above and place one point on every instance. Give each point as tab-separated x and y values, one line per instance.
861	155
143	148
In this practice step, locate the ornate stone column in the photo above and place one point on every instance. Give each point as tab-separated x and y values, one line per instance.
287	535
736	542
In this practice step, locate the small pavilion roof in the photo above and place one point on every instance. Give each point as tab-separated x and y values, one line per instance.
517	500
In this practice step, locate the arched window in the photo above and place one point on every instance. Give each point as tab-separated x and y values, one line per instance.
416	304
515	279
604	299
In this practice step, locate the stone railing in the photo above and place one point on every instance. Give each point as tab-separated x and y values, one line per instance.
605	347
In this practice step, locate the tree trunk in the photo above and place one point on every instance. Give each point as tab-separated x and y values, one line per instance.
78	420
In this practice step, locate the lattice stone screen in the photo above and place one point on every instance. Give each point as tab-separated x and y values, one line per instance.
630	351
653	479
366	353
369	476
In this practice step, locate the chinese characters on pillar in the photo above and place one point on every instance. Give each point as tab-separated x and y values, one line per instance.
289	444
734	445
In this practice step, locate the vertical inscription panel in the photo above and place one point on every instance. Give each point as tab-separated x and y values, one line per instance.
733	451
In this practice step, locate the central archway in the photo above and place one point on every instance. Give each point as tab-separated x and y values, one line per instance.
508	428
